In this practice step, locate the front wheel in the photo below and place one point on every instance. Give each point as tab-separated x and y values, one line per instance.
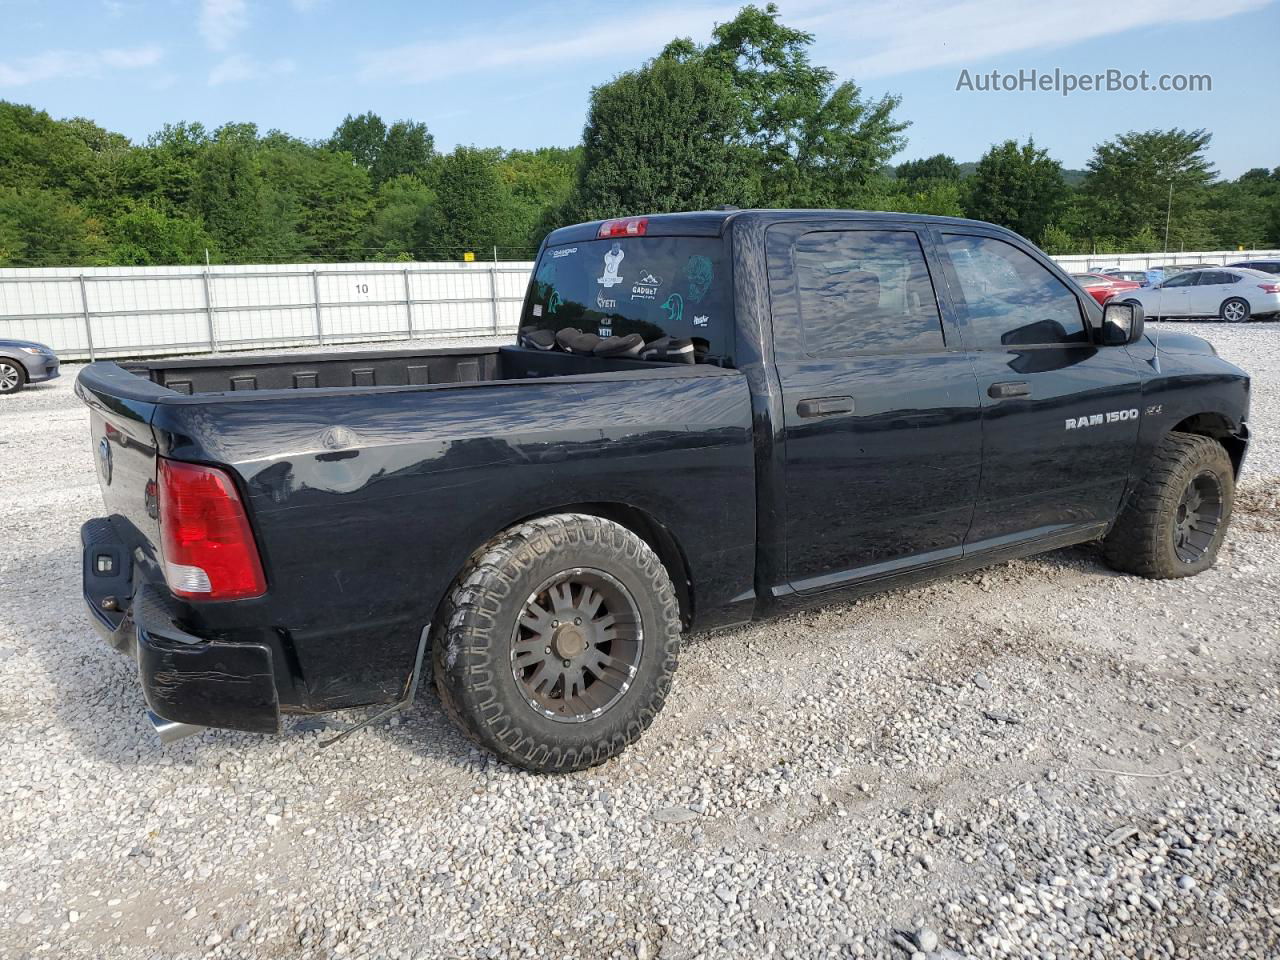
558	643
1235	310
1176	518
12	376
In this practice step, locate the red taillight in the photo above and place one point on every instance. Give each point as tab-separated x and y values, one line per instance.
1270	287
209	550
627	227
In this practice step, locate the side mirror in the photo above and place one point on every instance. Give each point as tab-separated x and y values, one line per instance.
1122	323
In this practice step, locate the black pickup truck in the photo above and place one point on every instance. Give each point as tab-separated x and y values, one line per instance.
708	418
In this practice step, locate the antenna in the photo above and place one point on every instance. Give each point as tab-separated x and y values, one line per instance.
1168	209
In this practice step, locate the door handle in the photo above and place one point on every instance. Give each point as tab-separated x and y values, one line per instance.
1010	388
824	406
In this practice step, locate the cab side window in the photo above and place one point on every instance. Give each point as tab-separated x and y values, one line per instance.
865	292
1009	298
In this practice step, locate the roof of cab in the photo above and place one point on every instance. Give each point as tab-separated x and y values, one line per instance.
711	223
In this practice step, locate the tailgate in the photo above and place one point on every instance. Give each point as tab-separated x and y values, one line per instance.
124	450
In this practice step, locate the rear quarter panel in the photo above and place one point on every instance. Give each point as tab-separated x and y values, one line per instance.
366	506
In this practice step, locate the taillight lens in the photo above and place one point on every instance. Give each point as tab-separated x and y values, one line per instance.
627	227
1270	287
209	550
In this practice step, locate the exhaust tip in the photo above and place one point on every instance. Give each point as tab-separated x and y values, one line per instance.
170	731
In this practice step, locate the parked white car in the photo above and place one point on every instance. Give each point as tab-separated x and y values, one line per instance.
1235	294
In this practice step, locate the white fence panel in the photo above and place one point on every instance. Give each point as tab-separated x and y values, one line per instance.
87	312
147	311
1083	263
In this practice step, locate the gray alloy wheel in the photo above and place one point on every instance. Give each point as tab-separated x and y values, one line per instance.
557	645
12	377
1235	310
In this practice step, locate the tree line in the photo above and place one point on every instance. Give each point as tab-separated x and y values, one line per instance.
746	119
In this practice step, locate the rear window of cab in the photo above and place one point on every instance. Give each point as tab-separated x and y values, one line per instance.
653	286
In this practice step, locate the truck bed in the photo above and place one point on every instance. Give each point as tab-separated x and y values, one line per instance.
373	368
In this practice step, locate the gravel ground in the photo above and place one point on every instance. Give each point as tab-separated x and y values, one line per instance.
1045	759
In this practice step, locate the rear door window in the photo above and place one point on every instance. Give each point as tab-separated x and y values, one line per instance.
653	286
865	292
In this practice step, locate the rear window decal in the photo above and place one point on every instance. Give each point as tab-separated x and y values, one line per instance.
612	261
646	288
674	305
699	272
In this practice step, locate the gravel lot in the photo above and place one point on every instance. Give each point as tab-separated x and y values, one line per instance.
1045	759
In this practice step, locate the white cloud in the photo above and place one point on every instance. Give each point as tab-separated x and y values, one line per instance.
239	68
883	39
869	38
131	59
221	21
69	64
508	44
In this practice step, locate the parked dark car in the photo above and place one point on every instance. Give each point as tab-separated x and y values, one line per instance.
23	362
877	399
1266	266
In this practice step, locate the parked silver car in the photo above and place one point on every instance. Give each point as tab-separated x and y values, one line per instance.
23	362
1235	294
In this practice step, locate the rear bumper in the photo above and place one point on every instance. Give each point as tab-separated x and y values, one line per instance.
185	678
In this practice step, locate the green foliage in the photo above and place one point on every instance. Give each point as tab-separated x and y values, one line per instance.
809	140
938	167
384	152
664	137
1136	178
473	205
42	226
142	235
405	211
933	196
746	119
1018	187
539	184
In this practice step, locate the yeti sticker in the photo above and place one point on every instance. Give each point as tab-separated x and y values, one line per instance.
612	261
1098	419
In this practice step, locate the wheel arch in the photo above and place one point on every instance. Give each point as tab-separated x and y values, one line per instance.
649	529
640	522
1216	426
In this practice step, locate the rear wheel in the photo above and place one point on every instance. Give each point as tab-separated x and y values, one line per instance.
1176	518
12	376
558	643
1235	310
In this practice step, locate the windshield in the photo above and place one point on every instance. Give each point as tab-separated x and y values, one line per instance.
653	286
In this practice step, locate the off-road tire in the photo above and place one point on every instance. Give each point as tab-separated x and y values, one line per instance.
472	642
1142	540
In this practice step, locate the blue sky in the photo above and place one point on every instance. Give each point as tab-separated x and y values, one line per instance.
519	74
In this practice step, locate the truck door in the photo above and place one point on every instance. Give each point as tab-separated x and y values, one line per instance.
881	414
1060	414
